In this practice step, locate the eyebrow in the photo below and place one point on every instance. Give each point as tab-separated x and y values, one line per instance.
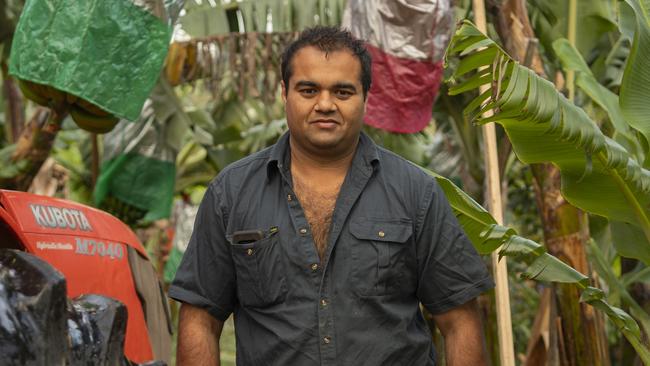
304	83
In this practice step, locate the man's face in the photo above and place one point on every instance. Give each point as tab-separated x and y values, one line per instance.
324	101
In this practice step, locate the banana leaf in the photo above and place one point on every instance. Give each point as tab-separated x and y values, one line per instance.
280	15
261	12
486	236
635	87
304	12
248	10
550	20
614	63
204	19
605	270
598	174
605	98
626	20
628	240
640	276
192	167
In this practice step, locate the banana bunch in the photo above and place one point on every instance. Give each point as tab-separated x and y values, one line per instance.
85	114
126	212
181	62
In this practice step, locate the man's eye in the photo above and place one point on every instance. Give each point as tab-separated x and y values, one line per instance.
343	93
307	91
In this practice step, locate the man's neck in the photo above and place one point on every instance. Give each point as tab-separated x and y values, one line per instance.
316	167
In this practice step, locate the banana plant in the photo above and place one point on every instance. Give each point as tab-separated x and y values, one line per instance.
598	174
550	19
629	128
627	135
207	18
634	87
486	236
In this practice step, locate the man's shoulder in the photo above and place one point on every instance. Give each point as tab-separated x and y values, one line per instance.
401	168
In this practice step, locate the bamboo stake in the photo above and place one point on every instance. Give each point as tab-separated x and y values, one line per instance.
571	35
94	167
500	267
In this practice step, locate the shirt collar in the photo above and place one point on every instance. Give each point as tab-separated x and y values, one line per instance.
279	156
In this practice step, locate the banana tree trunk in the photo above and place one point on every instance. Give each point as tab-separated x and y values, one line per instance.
14	106
579	331
33	147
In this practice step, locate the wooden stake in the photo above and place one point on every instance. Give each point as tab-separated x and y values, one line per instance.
571	35
500	268
94	168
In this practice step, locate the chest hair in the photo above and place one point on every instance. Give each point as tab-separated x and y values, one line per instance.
318	206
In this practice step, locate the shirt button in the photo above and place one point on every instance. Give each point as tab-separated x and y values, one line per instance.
303	231
314	266
381	234
327	340
323	302
289	198
249	251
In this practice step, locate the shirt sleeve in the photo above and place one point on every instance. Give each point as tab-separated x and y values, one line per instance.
206	276
450	271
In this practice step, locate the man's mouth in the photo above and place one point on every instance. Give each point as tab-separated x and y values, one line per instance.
325	123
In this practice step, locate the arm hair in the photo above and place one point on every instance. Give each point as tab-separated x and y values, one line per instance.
198	337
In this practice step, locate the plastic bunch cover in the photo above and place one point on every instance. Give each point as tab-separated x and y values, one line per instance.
406	40
107	52
183	216
139	161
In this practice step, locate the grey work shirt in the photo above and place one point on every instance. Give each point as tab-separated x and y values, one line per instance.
394	242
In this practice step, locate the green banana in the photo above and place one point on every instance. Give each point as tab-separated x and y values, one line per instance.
56	96
87	115
91	122
91	108
42	94
71	98
31	92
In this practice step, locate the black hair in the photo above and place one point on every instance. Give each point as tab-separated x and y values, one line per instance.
329	39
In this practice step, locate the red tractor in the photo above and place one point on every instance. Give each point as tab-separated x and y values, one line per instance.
97	254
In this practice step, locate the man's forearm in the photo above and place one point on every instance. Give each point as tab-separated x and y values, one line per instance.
198	337
464	348
461	327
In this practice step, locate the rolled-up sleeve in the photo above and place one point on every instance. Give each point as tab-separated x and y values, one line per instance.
206	276
450	271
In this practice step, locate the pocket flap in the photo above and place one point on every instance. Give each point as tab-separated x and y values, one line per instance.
382	230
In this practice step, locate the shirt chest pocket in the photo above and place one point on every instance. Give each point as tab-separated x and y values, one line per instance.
379	255
261	279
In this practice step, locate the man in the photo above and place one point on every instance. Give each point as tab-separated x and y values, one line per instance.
324	245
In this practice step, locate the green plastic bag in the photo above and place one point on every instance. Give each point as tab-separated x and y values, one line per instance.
138	171
109	53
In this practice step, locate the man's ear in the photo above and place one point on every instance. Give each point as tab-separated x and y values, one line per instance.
284	92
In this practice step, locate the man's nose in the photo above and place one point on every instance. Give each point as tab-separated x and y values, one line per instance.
325	104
